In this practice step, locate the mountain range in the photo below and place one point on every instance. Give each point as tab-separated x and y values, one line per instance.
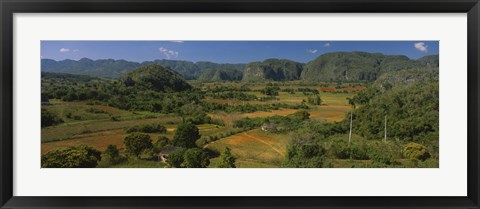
335	66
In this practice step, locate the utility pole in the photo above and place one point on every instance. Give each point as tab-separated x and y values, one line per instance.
351	119
385	139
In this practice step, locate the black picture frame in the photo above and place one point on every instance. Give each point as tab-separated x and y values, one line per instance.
10	7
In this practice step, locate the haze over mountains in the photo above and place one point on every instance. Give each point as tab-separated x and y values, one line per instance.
336	66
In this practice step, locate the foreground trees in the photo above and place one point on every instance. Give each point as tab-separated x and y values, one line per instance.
186	135
50	118
195	158
226	159
188	158
136	143
415	151
303	151
74	157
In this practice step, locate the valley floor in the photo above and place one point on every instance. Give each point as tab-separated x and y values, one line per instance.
253	148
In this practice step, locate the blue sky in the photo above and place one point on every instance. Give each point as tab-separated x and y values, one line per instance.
226	51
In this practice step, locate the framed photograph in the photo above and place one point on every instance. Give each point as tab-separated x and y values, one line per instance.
237	104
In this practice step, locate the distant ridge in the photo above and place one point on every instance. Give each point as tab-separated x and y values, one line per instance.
329	67
110	68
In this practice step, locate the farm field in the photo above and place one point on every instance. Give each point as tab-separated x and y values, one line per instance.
99	130
92	125
254	148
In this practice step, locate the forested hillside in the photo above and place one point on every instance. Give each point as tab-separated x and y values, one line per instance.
337	66
109	68
359	66
216	75
273	70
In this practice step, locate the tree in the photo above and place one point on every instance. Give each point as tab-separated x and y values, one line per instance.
135	143
304	152
112	154
415	151
302	115
195	158
226	159
73	157
186	135
193	113
50	118
175	159
161	142
316	100
271	91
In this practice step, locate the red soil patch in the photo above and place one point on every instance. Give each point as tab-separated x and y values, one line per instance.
326	89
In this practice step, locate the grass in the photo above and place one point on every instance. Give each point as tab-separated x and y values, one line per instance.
329	113
254	147
136	163
74	130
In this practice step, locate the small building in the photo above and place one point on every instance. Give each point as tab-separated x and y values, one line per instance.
269	127
163	155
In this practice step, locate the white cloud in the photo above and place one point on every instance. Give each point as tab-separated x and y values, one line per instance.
312	51
420	46
64	50
326	45
177	41
168	53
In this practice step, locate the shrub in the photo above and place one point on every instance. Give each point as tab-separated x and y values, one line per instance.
304	152
161	142
78	117
96	111
247	123
341	149
301	114
50	118
415	151
148	128
112	154
381	154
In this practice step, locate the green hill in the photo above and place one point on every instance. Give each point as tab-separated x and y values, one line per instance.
187	69
106	68
216	75
155	77
273	69
219	66
360	66
405	77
